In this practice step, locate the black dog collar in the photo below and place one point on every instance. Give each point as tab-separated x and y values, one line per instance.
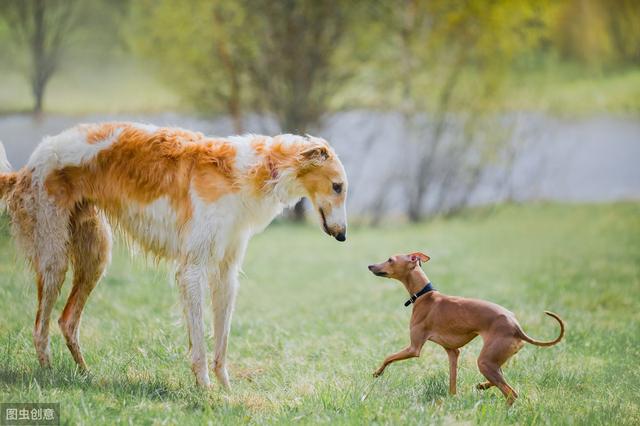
426	289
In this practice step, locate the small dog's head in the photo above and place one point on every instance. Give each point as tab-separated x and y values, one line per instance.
398	266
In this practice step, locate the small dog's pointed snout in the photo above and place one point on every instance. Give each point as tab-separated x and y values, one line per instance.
341	236
377	271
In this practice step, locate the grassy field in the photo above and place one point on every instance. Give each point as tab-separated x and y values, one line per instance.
568	92
312	324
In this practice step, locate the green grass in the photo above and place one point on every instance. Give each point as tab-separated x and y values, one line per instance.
312	325
566	91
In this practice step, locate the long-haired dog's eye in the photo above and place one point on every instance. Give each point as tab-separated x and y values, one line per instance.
390	260
337	188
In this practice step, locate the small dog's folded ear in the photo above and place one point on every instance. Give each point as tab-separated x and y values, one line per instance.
419	256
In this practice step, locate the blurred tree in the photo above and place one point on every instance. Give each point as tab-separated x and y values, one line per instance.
200	47
291	65
276	57
42	27
598	33
624	24
582	33
449	61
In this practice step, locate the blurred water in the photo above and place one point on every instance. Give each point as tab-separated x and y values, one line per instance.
595	159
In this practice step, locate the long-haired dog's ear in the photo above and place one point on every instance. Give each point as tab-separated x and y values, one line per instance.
315	155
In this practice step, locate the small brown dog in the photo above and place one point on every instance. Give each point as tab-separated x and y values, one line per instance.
452	322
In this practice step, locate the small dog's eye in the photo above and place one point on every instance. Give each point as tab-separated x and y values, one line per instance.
337	187
390	260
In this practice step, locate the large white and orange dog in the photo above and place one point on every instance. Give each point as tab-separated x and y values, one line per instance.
180	195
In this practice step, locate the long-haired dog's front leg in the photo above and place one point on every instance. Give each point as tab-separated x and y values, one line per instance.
191	279
224	295
224	287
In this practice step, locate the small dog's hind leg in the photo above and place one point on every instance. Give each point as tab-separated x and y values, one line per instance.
484	385
494	374
495	353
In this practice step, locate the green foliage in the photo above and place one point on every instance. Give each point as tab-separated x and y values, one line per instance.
292	67
441	55
189	41
312	324
233	56
565	90
246	54
38	35
598	33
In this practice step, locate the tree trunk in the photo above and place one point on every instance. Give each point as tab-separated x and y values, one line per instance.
298	211
43	61
414	211
38	96
235	110
428	157
234	106
39	77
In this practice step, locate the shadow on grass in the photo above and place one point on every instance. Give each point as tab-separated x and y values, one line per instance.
433	388
67	378
427	389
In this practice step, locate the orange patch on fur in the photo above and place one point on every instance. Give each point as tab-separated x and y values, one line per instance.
143	166
7	182
100	132
279	156
213	171
274	158
19	197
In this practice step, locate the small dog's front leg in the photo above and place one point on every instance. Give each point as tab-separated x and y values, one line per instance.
379	371
408	352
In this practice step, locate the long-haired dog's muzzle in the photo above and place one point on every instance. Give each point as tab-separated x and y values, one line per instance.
337	232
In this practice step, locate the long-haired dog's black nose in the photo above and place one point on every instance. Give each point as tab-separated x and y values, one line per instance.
342	236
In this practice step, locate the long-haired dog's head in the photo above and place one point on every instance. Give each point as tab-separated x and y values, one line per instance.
324	180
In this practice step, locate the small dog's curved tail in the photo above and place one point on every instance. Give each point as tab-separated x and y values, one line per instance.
7	178
528	339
